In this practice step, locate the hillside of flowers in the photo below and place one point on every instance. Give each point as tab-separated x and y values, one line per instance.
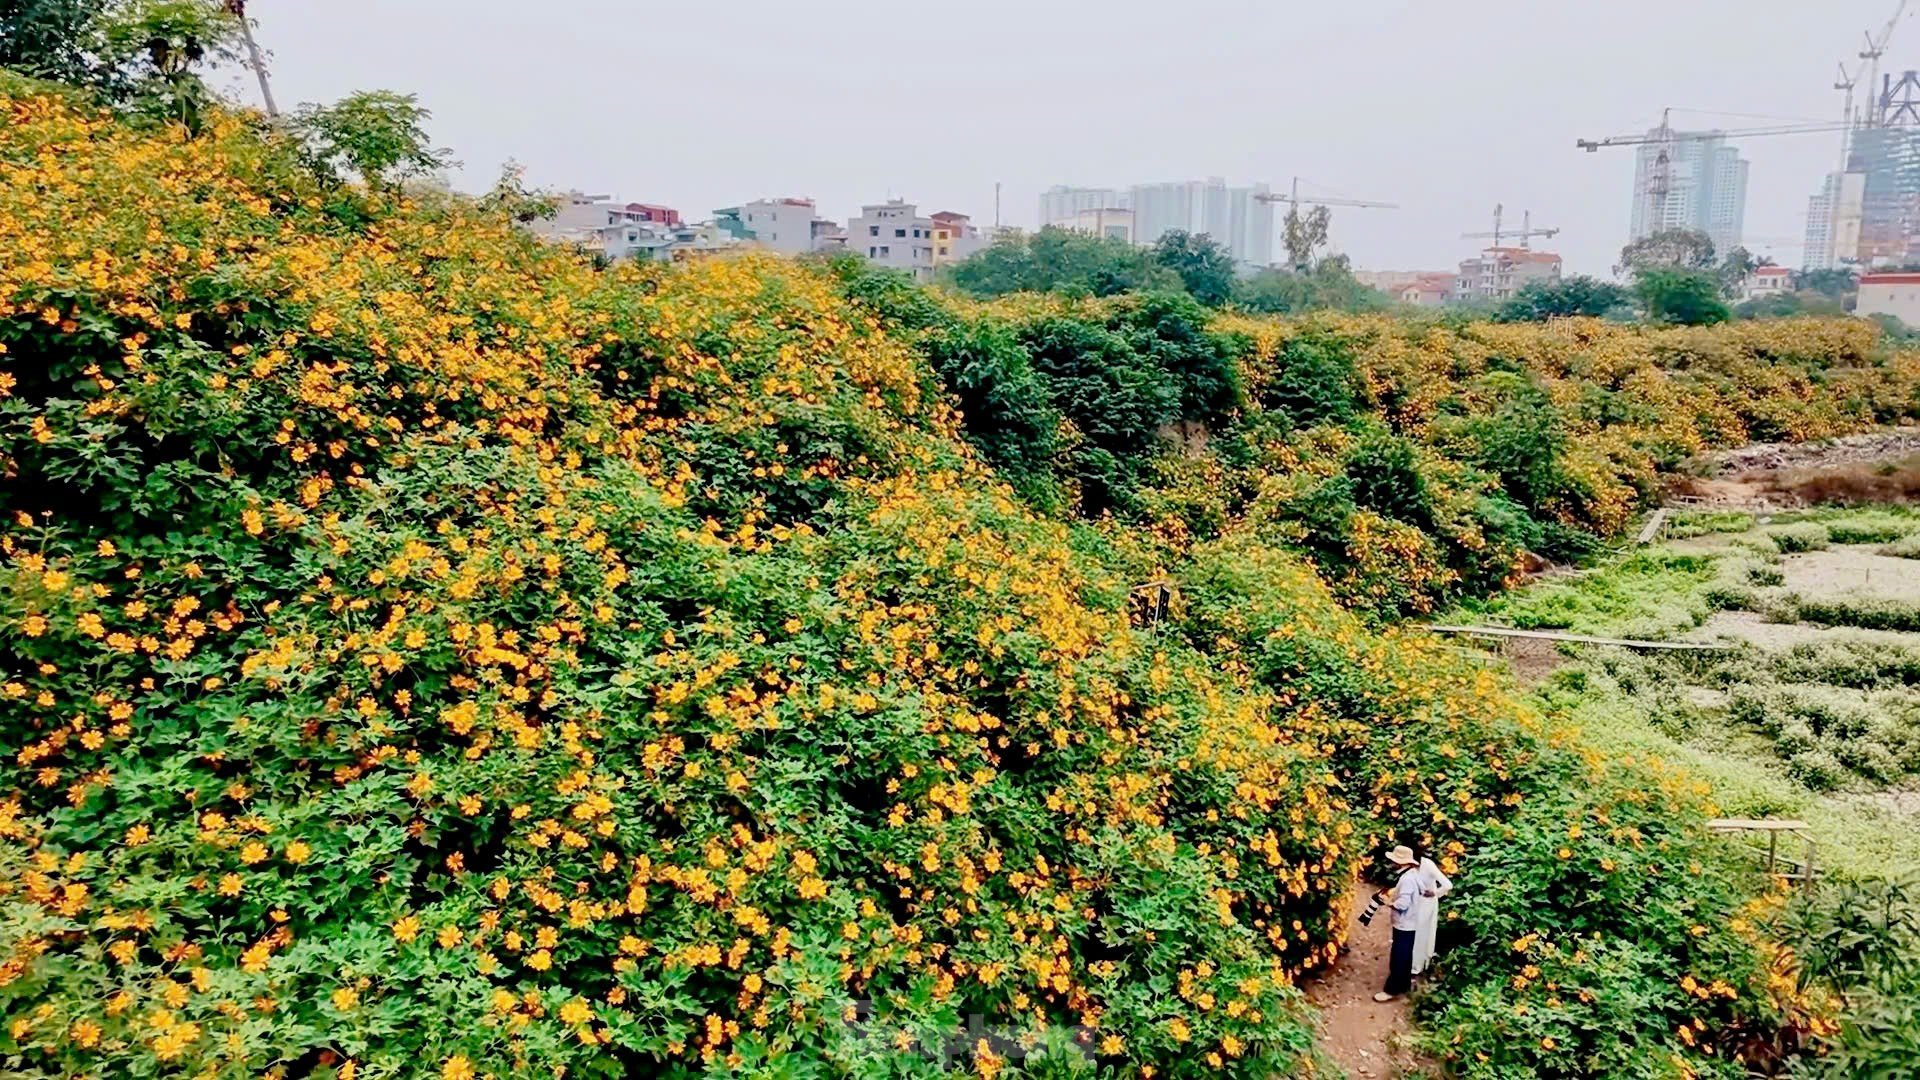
428	654
1413	462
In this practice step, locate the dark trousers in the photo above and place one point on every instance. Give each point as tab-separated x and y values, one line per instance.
1400	964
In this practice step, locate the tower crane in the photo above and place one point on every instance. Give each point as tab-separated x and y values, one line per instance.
1876	48
1303	234
1525	233
1660	183
1294	198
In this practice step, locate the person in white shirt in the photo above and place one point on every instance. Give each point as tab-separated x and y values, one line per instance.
1433	886
1406	922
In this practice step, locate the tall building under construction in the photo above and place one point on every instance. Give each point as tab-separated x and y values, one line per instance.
1869	215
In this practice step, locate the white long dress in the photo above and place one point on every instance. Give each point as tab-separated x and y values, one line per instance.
1428	907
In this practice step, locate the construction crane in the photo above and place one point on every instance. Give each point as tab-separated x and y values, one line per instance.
1876	48
1303	234
1294	199
1660	182
1525	233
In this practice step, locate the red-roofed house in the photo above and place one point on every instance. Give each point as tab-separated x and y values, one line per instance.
1426	290
659	215
1766	281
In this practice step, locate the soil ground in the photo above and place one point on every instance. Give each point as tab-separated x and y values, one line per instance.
1364	1037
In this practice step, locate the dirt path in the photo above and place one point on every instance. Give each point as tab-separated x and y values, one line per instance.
1362	1036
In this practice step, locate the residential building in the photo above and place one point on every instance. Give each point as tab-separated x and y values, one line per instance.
782	225
1108	221
893	234
1819	253
829	235
1498	272
655	213
1888	293
1426	290
1766	281
1392	281
1235	217
1060	204
1706	188
954	237
598	223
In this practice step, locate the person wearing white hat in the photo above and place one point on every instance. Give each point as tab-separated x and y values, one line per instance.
1406	922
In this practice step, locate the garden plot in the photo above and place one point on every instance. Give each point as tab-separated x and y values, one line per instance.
1764	633
1857	569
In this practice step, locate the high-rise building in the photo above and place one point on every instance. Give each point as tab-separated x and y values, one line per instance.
1234	216
1883	164
1060	204
1869	215
1706	188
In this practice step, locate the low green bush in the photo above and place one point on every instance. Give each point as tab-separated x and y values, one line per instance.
1859	663
1854	609
1872	527
1735	578
1827	736
1907	547
1689	523
1800	536
1651	593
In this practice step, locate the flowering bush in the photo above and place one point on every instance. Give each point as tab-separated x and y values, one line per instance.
426	652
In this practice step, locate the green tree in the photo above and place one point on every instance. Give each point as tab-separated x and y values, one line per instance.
1684	249
1203	265
1789	305
1736	268
511	198
1328	286
1059	260
1538	301
59	40
375	135
159	48
1303	234
1838	283
1681	297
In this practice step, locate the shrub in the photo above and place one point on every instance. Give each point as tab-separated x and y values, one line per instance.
1871	528
1906	547
1867	612
1855	663
1736	577
1800	536
1689	523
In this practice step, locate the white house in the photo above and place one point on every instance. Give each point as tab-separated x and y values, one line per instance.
1894	294
893	234
1766	281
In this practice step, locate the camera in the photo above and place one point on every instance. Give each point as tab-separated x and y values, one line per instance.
1373	908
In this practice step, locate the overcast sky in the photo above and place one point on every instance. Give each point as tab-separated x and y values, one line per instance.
1443	107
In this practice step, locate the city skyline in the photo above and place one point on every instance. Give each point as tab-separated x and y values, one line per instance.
1445	158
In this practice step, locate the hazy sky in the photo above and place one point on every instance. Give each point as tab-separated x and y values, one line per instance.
1443	106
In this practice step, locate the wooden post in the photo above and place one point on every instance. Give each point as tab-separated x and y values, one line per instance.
1773	844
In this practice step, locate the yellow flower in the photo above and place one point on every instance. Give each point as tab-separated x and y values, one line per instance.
457	1067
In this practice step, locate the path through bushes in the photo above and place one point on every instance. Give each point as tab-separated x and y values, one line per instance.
1364	1037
